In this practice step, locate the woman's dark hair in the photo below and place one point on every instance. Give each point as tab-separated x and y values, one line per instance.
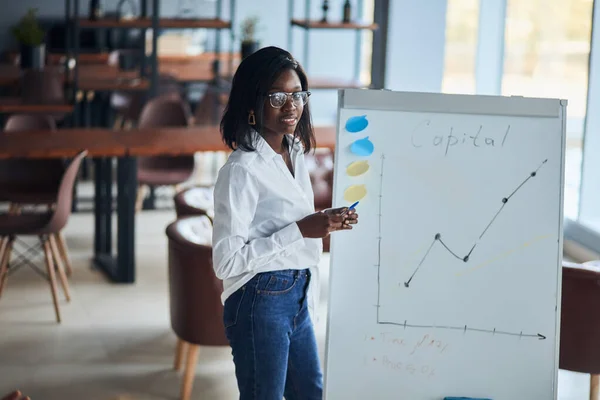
251	82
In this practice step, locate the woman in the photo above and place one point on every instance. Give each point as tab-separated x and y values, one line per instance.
267	238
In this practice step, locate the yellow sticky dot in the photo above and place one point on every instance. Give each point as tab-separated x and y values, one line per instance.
355	193
357	168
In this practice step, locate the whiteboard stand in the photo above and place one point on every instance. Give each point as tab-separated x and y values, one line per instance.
450	284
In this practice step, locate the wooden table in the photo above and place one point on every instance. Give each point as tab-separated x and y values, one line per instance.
100	142
16	106
194	70
102	146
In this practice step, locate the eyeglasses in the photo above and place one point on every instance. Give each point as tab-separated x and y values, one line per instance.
278	99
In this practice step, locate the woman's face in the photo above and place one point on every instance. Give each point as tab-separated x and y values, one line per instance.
284	119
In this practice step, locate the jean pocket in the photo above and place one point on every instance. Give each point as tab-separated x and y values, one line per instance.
277	284
232	306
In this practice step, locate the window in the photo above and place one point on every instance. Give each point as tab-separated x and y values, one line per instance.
547	46
461	46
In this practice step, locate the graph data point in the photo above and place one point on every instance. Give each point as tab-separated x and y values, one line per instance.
466	259
438	236
406	284
533	173
504	200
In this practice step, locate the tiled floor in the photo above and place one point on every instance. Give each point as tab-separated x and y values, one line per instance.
115	341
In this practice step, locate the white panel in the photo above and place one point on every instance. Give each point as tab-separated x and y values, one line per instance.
452	275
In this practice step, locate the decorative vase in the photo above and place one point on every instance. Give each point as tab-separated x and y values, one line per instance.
33	57
249	48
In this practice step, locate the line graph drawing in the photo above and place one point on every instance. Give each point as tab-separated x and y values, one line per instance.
438	238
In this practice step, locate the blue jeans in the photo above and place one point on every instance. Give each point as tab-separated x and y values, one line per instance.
272	338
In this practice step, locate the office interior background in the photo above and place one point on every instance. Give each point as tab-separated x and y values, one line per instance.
533	48
536	48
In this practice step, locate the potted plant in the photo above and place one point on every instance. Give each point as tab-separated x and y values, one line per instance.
30	36
249	42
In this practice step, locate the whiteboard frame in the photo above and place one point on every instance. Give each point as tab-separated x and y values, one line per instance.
387	100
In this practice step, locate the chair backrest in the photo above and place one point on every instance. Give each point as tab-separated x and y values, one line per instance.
28	122
211	107
194	290
197	200
320	169
580	321
64	199
35	174
164	111
42	86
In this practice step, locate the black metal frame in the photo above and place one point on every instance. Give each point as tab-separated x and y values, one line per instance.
379	54
120	267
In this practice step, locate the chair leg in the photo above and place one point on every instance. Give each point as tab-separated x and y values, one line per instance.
179	354
190	371
139	200
594	387
59	266
64	253
50	268
7	243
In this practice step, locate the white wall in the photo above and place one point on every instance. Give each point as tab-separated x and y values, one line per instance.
416	41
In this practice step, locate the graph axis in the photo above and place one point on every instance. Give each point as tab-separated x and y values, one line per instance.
464	328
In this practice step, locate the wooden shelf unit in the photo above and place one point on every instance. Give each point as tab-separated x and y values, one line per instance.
323	82
149	68
172	23
312	24
308	24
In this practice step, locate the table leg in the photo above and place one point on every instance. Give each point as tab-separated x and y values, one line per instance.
103	205
120	269
127	184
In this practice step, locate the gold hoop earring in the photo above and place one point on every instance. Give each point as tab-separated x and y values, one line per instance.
251	119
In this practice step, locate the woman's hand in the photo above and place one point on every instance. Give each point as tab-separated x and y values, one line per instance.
349	217
320	224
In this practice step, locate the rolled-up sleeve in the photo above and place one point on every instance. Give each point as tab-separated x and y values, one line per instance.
236	196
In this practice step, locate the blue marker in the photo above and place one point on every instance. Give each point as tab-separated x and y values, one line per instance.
350	208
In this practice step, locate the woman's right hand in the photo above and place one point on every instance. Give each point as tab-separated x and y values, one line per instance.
319	225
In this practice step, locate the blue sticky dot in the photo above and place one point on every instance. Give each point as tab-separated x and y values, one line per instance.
362	147
356	124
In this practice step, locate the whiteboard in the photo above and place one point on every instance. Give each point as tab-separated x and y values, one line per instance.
450	283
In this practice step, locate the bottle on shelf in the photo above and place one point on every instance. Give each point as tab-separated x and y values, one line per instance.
96	11
325	7
347	12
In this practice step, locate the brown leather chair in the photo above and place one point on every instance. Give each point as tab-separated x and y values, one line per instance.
195	293
164	111
32	181
45	225
197	200
44	87
320	169
580	322
129	104
29	122
211	106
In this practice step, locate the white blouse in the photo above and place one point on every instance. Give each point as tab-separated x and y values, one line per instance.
257	203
